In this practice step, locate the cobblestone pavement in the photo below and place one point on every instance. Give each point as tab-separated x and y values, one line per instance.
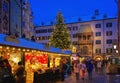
97	78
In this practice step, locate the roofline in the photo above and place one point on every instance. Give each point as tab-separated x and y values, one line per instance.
78	22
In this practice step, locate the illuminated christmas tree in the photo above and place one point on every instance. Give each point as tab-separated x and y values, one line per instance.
60	37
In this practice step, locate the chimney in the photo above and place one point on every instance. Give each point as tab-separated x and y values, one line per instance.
96	12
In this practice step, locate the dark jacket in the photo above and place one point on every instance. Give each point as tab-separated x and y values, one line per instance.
89	66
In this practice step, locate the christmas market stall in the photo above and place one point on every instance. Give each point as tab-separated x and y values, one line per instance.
35	57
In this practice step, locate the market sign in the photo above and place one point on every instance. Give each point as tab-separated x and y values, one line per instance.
11	38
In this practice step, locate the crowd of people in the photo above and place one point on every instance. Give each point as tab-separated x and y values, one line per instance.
6	74
81	70
85	68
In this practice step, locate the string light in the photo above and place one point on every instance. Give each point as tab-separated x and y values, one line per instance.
1	47
28	50
23	50
13	48
19	49
8	48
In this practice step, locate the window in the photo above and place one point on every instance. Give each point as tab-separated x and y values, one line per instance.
40	38
0	20
74	35
5	6
109	33
98	26
80	37
75	28
109	41
89	37
0	4
23	24
98	51
36	31
98	41
50	30
48	37
98	33
74	42
108	24
43	37
69	28
37	38
84	37
109	50
43	31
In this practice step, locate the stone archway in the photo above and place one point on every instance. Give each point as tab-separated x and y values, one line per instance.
98	57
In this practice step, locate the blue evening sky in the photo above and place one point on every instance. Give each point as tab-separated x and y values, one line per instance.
46	10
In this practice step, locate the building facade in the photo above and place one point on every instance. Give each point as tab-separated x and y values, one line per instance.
4	16
92	36
27	21
16	17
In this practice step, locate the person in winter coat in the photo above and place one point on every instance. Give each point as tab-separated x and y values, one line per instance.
8	76
77	69
63	68
1	71
99	66
83	70
89	66
7	65
20	73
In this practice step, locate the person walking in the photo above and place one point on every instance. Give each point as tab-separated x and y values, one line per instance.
20	73
83	70
7	66
63	68
8	76
1	71
99	65
77	69
89	66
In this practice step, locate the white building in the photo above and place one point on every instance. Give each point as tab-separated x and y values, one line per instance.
91	35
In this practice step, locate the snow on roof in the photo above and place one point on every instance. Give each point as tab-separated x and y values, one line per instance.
67	52
82	19
55	49
29	44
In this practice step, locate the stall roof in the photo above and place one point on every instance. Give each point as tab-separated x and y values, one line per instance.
29	44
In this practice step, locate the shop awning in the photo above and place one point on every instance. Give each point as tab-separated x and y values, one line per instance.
23	43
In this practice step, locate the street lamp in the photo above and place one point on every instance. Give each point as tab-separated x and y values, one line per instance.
116	51
115	46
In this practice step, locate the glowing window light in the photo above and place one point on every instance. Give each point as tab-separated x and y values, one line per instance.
8	48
